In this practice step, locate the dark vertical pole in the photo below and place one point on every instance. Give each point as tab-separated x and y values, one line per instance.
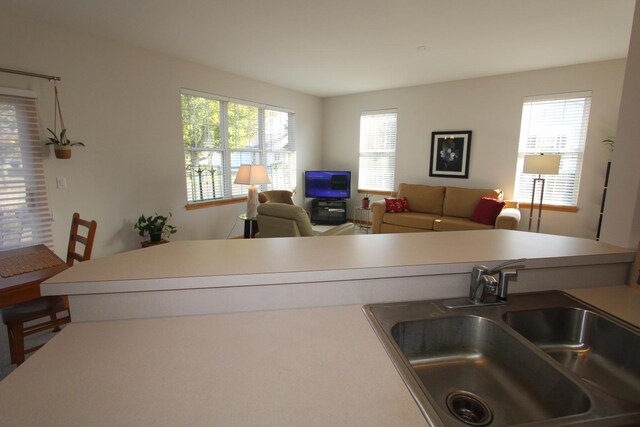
604	199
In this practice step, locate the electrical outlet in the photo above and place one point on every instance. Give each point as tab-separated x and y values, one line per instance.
61	182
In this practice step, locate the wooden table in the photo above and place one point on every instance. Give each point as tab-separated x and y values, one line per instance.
30	266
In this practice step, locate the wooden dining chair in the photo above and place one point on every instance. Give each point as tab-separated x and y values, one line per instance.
47	309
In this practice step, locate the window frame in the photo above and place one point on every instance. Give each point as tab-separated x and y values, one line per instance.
368	186
259	154
572	155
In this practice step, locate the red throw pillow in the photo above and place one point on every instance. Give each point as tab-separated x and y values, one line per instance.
487	210
397	205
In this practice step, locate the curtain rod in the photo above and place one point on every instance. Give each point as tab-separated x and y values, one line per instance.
26	73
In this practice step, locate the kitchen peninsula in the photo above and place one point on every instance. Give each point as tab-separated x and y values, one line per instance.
299	366
221	276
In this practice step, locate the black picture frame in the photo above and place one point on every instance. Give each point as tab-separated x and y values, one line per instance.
450	154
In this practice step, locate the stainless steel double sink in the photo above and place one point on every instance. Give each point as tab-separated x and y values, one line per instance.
543	358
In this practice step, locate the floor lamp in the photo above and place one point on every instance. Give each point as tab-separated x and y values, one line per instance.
251	175
540	165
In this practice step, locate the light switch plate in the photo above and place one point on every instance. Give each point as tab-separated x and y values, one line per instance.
61	182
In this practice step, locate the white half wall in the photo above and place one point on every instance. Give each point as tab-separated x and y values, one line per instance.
491	108
124	103
621	224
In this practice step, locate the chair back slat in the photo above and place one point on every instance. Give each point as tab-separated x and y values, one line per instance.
86	239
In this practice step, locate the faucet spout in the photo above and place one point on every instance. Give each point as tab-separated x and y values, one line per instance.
483	284
500	267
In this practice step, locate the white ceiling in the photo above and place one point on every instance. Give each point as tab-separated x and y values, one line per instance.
335	47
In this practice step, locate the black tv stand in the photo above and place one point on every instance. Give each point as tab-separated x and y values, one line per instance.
329	211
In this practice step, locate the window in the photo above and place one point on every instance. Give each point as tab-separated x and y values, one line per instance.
220	134
377	150
25	218
555	124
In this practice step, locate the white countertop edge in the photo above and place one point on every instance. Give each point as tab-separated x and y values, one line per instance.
51	287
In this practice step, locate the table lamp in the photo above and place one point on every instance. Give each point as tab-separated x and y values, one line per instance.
541	164
251	175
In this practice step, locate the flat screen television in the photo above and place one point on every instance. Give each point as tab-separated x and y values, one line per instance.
327	184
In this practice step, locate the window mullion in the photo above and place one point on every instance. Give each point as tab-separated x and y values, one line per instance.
226	152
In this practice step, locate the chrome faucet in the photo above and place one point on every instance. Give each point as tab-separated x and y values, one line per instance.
483	284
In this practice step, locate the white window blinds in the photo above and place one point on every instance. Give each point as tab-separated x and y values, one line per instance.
378	131
25	218
554	124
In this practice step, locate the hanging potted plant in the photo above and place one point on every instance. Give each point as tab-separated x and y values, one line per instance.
61	143
155	227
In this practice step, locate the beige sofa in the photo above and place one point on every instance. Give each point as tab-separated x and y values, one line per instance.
440	209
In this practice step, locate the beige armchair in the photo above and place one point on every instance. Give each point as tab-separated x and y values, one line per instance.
284	220
276	196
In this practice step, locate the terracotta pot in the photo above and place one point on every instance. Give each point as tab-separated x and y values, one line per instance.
365	203
62	151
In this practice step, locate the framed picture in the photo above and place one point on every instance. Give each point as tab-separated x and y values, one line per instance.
450	154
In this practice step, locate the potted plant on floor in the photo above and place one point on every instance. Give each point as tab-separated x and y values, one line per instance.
154	226
62	144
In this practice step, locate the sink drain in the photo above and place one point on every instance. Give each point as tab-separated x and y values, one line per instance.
468	408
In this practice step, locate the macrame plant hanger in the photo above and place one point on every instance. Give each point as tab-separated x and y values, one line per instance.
61	151
57	110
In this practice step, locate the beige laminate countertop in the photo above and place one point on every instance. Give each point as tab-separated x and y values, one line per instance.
220	263
307	367
321	366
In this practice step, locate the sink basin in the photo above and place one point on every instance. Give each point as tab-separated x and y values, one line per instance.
600	351
478	362
543	359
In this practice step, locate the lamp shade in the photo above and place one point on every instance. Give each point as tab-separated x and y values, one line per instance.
542	164
251	175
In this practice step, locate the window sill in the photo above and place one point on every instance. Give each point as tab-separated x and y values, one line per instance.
376	192
557	208
202	205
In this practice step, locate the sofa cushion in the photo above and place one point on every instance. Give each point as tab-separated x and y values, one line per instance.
423	198
460	202
397	205
411	219
448	223
487	210
391	228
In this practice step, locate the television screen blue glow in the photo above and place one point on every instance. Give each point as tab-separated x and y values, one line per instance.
327	184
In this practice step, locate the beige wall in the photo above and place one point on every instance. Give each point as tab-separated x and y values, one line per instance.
491	108
124	103
622	213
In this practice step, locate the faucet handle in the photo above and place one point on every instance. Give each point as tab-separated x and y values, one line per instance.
503	284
